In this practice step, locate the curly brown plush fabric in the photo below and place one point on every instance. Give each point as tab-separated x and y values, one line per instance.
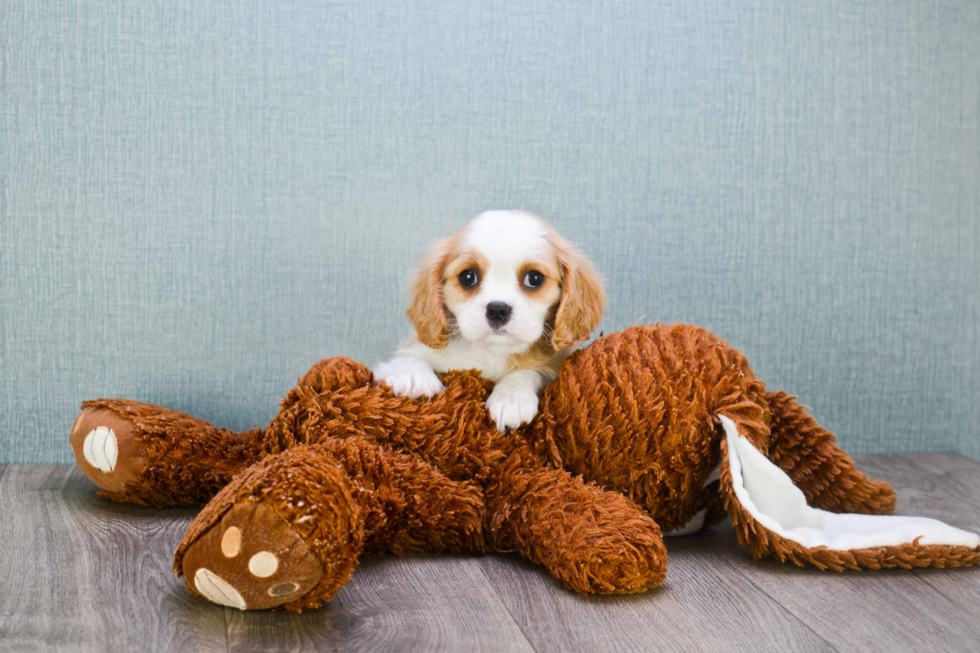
166	458
765	543
810	456
627	442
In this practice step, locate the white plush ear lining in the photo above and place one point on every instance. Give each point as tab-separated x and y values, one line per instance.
770	497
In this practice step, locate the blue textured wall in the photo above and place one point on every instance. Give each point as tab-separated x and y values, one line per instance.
199	199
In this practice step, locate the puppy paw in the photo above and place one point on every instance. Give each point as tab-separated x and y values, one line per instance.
511	406
410	379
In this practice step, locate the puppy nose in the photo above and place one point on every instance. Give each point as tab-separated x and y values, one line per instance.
498	313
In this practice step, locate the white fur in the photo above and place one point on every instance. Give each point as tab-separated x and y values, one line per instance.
409	376
514	399
507	239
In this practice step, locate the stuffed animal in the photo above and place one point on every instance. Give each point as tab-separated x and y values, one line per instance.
656	429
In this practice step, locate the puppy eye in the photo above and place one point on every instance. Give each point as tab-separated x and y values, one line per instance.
468	278
533	279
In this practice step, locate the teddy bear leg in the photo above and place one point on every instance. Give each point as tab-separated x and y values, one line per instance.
140	453
289	530
810	456
596	541
410	505
773	516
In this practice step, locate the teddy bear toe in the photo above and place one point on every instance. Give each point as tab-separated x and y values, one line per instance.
105	448
251	559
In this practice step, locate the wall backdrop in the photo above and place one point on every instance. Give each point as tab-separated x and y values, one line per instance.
200	199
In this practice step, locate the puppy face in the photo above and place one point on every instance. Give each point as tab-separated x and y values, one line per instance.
506	279
502	280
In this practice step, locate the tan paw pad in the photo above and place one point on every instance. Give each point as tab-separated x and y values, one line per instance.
263	564
231	542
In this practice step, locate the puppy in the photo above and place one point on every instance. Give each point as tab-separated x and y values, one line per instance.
505	295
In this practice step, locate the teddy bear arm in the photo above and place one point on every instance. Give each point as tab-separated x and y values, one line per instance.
330	375
596	541
288	531
146	454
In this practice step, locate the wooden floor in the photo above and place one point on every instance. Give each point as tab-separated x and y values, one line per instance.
78	573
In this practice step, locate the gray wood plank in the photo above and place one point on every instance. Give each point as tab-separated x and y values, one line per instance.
947	465
891	610
702	606
79	573
944	486
939	485
411	603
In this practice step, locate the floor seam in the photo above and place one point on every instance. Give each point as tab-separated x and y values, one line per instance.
775	600
504	605
227	634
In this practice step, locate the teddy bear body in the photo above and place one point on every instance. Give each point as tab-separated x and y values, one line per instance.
627	442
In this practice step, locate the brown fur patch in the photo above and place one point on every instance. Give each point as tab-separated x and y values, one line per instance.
459	262
583	298
552	280
426	308
541	357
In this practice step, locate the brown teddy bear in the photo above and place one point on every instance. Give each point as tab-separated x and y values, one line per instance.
655	428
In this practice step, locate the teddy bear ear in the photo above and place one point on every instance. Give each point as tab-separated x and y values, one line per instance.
426	309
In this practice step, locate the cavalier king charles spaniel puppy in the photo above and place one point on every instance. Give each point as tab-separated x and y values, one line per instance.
505	295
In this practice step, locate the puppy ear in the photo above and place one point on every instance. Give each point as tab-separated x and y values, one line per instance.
582	301
426	309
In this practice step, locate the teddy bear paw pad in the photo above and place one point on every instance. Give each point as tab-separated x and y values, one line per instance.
251	559
101	448
217	590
